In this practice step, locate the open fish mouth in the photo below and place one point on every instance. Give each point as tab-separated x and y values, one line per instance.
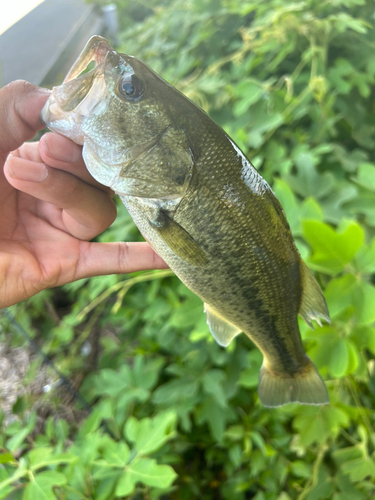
67	104
95	50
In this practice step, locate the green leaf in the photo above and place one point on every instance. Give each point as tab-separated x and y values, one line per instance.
354	358
348	488
5	492
174	391
104	488
362	204
301	469
212	384
113	382
249	377
234	432
364	301
311	428
325	341
94	420
249	93
6	458
345	454
41	457
145	373
365	258
116	454
215	416
310	209
17	440
41	486
146	471
125	485
339	294
364	338
332	250
339	361
366	176
335	204
322	491
149	434
289	203
308	182
359	468
188	314
318	424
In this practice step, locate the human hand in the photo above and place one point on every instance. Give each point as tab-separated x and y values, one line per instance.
50	207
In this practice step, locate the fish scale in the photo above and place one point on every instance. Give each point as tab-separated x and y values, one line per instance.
201	205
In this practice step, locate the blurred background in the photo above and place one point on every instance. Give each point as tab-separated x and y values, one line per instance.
293	84
40	39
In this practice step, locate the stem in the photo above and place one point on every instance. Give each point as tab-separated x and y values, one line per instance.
314	478
123	284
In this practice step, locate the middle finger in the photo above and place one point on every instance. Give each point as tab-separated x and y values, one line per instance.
61	153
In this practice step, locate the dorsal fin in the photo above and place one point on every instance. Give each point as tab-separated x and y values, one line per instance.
313	304
222	331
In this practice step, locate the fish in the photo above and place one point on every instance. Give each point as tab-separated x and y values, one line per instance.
201	205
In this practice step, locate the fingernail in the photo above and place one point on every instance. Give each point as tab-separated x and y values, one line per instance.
61	148
25	170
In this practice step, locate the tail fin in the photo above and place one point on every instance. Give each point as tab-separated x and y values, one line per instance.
305	386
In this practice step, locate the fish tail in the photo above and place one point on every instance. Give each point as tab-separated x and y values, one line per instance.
304	386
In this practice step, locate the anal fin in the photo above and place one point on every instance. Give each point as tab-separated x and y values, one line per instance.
222	331
313	304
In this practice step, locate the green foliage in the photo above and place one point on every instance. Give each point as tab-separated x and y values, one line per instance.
173	413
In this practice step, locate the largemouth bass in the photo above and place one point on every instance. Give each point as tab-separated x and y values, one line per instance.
201	205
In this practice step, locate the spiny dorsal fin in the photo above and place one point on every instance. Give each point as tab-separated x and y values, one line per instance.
313	304
222	331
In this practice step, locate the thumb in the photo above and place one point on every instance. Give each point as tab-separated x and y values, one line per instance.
20	106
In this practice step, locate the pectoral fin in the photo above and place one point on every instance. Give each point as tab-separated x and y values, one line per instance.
313	304
222	331
178	239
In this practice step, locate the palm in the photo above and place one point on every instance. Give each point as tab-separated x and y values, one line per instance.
39	251
45	226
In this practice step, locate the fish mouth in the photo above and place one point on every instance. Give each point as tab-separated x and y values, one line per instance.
95	50
67	104
76	84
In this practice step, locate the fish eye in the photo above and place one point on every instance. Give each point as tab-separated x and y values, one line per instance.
131	87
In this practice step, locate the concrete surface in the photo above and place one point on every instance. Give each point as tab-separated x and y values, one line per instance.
41	47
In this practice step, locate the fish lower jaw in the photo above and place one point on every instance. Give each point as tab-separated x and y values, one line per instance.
61	123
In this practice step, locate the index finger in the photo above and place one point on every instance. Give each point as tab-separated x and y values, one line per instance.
62	153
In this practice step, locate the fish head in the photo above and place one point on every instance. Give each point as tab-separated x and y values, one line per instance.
124	115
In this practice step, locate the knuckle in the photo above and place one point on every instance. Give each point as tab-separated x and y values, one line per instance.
19	87
123	255
74	189
104	214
